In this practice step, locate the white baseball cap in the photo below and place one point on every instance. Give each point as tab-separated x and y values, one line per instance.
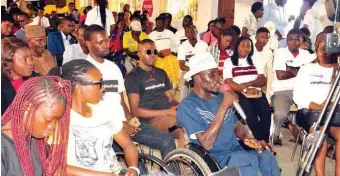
136	26
200	62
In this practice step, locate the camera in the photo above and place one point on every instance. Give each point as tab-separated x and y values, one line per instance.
332	43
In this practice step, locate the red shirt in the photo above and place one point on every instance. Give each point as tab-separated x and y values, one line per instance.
295	54
223	56
17	84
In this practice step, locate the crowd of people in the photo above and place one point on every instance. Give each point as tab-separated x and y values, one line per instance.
64	77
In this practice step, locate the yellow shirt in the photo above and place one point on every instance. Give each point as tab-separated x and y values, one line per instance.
130	43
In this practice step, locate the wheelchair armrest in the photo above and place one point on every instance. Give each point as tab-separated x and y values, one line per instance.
230	171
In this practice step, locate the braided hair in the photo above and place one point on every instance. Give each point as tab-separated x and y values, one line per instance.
235	57
74	71
33	93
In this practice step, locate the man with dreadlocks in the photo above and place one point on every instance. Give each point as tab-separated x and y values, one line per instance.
40	109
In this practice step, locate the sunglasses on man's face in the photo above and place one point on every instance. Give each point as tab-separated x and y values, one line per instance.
100	83
149	52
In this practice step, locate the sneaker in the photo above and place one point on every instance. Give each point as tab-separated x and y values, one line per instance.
277	141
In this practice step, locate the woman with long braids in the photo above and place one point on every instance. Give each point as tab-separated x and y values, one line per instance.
102	16
92	130
39	111
16	67
244	75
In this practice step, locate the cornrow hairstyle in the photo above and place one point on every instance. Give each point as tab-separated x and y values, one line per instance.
74	71
235	57
92	29
33	93
9	46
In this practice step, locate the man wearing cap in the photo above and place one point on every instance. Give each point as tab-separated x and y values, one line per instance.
130	42
150	93
42	59
209	120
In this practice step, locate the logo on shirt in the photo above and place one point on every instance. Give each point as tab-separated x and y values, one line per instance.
319	76
111	85
155	86
243	71
289	61
209	117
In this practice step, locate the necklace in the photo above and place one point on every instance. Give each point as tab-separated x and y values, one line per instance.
151	78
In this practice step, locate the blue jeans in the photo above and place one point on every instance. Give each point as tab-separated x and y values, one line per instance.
152	138
251	162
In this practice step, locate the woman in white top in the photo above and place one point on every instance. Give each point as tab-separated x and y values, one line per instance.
100	15
92	130
246	78
312	85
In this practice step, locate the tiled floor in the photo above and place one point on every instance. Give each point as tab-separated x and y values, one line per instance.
284	154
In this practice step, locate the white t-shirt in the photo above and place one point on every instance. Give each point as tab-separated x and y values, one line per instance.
282	57
91	138
308	20
312	84
180	37
73	52
44	22
93	17
164	40
113	85
187	50
264	59
243	72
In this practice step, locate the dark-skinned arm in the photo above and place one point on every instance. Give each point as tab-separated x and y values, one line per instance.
241	131
283	75
137	111
233	85
244	32
171	98
127	113
130	150
258	82
183	66
208	137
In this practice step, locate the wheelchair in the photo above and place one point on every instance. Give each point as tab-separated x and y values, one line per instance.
196	161
147	164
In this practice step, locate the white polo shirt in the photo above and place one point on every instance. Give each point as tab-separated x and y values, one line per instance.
113	86
282	57
264	59
186	50
164	40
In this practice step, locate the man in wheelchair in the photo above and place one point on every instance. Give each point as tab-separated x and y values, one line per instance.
209	120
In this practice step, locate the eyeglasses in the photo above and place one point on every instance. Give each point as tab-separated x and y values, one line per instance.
93	83
149	52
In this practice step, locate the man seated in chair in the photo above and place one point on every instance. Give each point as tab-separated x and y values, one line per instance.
209	120
150	93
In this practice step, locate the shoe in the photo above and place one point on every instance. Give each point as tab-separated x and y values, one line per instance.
277	141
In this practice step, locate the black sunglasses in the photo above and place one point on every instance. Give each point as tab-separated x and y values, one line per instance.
101	82
149	52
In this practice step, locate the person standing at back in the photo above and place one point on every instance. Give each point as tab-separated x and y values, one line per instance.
101	16
252	20
166	44
274	12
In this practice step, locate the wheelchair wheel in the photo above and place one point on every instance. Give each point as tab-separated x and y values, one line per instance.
151	163
186	163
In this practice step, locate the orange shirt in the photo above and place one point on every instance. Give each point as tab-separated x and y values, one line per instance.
42	65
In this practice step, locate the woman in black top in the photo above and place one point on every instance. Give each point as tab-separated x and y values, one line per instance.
16	67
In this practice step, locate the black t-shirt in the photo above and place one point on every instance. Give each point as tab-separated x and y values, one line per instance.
151	87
